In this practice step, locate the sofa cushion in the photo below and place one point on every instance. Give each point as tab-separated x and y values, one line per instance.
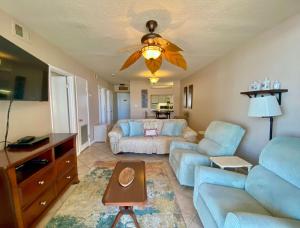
220	200
125	128
278	196
137	144
210	148
136	128
282	157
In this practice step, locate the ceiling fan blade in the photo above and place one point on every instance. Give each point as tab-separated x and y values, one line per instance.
175	58
131	60
153	64
167	45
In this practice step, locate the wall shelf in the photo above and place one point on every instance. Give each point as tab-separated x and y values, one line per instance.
273	92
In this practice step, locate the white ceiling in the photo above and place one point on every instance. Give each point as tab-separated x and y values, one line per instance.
94	31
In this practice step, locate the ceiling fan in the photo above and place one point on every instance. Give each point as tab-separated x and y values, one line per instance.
154	48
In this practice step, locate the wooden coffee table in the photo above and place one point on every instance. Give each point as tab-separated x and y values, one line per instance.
126	197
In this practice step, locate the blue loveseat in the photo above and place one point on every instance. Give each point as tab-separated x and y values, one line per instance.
221	139
268	197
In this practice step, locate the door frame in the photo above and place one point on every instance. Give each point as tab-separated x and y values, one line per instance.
88	114
71	97
100	88
109	106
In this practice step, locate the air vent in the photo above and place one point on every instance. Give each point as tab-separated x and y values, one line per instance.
20	31
121	88
162	85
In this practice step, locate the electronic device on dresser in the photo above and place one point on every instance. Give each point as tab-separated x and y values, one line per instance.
32	180
28	141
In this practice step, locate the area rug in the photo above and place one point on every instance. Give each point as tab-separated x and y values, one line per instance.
84	208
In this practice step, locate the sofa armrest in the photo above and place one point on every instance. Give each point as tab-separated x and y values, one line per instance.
189	134
115	134
219	177
183	145
250	220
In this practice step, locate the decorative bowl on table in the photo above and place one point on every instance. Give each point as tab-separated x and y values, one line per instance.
126	176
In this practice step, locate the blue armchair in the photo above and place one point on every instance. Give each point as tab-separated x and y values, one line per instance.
268	197
220	139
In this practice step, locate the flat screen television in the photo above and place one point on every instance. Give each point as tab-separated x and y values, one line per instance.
22	76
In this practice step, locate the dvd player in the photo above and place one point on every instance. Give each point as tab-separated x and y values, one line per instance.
34	142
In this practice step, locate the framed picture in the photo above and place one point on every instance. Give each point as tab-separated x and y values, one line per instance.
185	90
190	97
144	94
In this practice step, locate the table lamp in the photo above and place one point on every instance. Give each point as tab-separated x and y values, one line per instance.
266	107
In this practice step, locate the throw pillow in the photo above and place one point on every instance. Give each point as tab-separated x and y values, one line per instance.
125	128
150	132
178	128
168	129
136	128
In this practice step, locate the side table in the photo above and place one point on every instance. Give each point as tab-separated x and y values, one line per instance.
230	162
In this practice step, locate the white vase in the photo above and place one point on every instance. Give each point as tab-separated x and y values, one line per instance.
276	84
267	84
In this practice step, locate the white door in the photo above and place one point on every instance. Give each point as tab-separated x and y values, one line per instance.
103	101
60	105
82	113
123	105
109	106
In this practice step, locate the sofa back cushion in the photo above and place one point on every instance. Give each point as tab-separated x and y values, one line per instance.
275	182
282	157
172	128
167	129
136	128
279	197
153	124
125	128
226	135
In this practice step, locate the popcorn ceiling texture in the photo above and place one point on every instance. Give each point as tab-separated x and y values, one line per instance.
93	31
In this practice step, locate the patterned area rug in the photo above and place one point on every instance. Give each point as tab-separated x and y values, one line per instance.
84	208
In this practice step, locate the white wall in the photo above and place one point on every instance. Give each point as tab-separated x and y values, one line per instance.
33	118
136	110
274	54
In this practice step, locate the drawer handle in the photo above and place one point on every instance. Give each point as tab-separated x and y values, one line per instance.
68	177
43	203
68	161
41	182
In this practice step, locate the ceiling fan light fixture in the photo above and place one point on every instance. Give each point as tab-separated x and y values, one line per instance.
151	52
153	80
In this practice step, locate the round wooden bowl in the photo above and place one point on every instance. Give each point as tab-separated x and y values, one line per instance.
126	176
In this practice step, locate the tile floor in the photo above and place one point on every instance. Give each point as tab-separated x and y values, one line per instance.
102	152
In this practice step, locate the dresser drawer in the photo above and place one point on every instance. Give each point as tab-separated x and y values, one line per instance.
66	163
63	181
38	206
35	185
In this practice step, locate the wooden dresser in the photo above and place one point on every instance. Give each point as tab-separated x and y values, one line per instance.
29	188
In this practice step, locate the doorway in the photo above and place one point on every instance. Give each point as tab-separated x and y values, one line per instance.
62	101
123	100
82	113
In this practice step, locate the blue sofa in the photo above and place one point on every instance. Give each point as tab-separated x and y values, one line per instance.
220	139
268	197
